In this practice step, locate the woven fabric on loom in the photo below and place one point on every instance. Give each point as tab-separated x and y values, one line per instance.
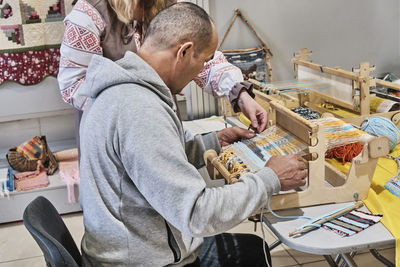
338	132
255	152
352	222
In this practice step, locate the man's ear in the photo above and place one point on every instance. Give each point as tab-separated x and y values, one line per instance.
185	50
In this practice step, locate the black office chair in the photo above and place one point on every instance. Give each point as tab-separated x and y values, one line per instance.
48	229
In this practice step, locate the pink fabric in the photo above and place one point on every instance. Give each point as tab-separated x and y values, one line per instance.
69	173
31	180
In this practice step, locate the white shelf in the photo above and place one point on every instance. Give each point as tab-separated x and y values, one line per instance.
12	208
27	116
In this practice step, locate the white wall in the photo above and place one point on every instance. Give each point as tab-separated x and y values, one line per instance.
339	32
27	111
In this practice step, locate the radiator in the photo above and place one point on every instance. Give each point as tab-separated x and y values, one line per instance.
198	103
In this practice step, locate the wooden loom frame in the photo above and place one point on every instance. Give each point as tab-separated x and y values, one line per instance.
356	183
350	187
361	80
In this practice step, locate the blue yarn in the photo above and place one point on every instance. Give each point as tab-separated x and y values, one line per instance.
380	126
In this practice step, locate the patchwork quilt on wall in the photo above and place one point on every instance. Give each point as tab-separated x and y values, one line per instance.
31	32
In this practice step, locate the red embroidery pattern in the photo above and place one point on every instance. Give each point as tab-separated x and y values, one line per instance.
29	67
67	93
82	39
215	78
85	7
66	63
138	39
201	79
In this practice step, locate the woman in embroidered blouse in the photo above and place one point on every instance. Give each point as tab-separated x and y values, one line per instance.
111	27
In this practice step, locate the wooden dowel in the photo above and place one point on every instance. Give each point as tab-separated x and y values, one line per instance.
331	217
337	72
229	28
254	32
241	50
388	84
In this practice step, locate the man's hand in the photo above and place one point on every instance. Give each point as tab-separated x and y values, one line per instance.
252	110
230	135
290	169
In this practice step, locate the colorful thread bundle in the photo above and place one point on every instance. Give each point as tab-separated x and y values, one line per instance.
345	153
307	113
339	133
352	223
253	154
393	184
232	163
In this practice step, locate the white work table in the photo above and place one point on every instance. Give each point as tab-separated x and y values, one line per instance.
324	242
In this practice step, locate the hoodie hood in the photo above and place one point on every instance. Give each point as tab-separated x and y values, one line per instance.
103	73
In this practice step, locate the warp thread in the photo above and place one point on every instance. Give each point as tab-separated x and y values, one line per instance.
252	154
345	153
339	133
380	126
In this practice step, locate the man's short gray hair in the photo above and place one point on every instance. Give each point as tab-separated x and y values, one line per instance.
178	23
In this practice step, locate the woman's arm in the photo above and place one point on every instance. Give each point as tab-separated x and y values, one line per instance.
83	28
222	79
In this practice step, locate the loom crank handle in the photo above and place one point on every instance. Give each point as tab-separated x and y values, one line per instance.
212	157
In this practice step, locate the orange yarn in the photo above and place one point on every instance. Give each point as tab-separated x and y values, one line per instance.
345	152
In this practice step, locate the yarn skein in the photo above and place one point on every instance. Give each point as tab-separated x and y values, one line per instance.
380	126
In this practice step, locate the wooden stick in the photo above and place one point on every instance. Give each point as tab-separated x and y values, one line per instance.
387	84
254	32
242	50
229	28
336	72
329	218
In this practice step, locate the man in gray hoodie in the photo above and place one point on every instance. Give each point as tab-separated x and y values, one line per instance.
144	202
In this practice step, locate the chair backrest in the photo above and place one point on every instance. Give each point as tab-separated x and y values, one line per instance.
48	229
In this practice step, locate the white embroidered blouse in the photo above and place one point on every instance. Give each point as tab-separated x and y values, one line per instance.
82	39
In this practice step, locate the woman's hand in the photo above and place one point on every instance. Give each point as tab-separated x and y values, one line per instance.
252	110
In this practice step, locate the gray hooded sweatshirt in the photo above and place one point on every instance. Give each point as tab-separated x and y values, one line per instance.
144	202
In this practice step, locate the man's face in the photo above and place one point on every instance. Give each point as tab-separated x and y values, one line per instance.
196	62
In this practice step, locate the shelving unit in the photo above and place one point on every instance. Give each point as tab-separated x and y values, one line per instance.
27	111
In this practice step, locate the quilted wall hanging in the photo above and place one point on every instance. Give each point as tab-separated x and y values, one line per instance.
31	32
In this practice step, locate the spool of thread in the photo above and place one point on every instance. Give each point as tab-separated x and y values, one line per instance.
380	126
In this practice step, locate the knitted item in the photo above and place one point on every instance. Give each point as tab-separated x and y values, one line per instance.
69	170
19	162
69	173
32	149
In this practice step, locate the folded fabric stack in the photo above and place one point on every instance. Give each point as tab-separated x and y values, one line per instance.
31	180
